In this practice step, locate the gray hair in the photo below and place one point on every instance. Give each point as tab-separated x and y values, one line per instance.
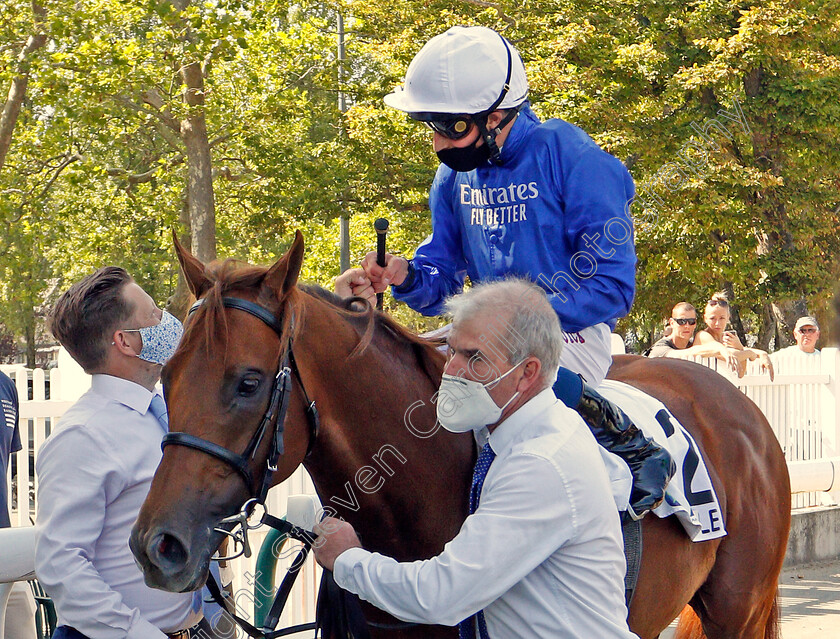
519	316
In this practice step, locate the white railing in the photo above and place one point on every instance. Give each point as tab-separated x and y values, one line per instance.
17	563
802	405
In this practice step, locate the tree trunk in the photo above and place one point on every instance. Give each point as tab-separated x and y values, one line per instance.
179	302
31	345
833	337
775	238
768	330
14	101
202	206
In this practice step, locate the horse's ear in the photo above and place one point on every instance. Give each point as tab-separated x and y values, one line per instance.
282	277
192	267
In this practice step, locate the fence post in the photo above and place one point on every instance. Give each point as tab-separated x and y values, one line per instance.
830	406
73	382
831	402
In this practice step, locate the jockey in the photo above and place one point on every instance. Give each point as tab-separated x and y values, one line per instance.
517	196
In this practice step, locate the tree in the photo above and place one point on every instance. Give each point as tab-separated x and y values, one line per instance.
220	119
20	78
744	201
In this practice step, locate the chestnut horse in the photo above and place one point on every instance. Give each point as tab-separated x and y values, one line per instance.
379	461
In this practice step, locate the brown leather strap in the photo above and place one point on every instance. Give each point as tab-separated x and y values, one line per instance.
186	633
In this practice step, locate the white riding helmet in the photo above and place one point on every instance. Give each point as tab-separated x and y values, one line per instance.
462	71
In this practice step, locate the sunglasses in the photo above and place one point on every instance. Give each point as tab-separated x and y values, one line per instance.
721	303
682	321
808	330
451	128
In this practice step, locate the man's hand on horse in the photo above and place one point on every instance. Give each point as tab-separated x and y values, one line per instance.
354	283
334	537
394	272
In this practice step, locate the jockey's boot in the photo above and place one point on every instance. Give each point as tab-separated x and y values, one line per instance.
650	464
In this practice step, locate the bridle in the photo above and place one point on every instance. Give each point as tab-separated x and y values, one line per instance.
275	413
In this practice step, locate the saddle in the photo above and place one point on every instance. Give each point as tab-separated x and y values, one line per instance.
650	464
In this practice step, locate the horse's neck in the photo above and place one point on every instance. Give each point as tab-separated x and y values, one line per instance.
376	462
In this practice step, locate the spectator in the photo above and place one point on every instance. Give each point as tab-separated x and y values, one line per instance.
716	316
20	611
807	334
540	555
679	340
682	323
95	469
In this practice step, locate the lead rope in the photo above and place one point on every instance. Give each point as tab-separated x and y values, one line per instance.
273	617
338	611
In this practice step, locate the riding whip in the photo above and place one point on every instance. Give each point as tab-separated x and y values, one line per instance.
381	226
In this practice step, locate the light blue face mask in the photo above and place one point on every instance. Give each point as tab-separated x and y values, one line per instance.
160	340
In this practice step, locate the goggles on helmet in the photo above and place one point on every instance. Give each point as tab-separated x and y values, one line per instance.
453	127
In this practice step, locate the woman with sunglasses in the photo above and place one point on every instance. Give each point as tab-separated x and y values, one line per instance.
716	315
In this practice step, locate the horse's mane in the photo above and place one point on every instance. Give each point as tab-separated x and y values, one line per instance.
232	275
357	309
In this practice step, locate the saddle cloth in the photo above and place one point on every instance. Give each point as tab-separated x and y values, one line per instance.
690	495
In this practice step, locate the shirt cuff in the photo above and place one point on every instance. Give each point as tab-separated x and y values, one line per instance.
408	282
344	564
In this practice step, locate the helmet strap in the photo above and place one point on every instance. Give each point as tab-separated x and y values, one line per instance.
489	135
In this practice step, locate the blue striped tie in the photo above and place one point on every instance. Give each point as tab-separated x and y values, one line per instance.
158	409
466	629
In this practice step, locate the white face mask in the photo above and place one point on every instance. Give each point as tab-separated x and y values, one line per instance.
464	405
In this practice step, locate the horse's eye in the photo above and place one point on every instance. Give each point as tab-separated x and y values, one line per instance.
248	386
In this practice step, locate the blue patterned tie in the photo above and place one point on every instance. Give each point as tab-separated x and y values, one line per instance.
158	409
466	629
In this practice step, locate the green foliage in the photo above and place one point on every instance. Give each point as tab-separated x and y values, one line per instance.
96	174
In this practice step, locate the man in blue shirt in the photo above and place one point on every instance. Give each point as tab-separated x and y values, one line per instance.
95	469
9	442
20	611
515	196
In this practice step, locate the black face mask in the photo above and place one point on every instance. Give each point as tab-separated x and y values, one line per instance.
465	159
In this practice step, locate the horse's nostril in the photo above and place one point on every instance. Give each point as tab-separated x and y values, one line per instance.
168	553
170	547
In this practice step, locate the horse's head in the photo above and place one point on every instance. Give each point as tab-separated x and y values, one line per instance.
219	386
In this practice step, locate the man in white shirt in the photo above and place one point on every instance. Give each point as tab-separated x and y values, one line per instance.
807	334
541	554
95	469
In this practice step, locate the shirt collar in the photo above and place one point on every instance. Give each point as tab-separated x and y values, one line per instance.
123	391
504	437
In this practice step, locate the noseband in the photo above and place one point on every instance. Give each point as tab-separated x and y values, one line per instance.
275	412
